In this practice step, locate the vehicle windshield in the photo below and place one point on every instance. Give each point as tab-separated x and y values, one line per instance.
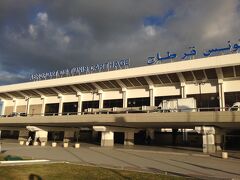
234	108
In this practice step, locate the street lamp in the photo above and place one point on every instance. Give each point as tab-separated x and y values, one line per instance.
92	103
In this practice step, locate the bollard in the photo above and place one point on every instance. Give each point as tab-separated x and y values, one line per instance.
21	142
65	144
43	143
54	144
224	155
77	145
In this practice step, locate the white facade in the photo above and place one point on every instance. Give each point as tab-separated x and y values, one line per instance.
214	82
53	91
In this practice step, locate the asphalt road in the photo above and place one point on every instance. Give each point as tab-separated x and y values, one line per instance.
187	162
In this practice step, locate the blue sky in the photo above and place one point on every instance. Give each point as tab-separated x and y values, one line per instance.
159	20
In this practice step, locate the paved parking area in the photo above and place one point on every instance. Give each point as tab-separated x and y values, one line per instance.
188	162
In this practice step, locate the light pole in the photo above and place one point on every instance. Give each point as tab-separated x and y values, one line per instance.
92	103
199	84
27	99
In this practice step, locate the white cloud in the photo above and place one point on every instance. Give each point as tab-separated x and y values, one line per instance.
222	20
45	29
150	31
6	77
42	18
94	32
66	39
32	31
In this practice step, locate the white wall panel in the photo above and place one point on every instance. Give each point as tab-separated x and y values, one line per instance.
167	91
135	93
231	86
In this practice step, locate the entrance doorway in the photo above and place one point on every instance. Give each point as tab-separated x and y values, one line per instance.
140	138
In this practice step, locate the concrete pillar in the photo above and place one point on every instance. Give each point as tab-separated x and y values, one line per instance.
183	92
208	134
3	109
128	138
221	96
60	108
151	95
23	135
100	93
219	134
185	136
43	105
209	138
79	103
68	135
15	105
124	96
209	143
107	138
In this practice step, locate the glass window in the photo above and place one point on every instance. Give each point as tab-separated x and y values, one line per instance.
112	103
90	104
51	109
70	108
137	102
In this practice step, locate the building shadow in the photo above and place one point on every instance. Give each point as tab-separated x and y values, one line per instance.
207	167
34	177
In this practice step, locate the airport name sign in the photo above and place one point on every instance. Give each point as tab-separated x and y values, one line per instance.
109	66
192	52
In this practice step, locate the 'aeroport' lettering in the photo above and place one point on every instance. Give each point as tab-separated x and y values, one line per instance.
112	65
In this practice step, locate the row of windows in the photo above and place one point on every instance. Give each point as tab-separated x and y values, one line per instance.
203	100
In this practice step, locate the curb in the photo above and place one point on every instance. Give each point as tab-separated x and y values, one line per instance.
23	161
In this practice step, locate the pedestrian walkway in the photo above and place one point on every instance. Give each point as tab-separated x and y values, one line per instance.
141	158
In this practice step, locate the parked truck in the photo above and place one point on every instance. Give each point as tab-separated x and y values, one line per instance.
178	105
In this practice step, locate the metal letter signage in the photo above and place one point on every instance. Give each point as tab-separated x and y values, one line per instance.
112	65
193	52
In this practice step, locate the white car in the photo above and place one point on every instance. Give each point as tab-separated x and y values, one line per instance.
235	107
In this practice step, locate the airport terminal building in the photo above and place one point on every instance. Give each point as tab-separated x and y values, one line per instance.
120	106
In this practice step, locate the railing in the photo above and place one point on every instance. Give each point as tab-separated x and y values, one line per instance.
118	110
